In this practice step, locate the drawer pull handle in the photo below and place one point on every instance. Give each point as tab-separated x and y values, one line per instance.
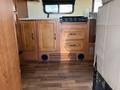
73	45
72	34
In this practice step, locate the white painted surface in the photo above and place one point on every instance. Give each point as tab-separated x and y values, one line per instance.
103	15
114	13
108	43
100	45
112	56
82	7
118	82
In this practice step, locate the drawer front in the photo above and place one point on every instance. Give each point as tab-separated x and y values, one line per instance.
74	45
74	34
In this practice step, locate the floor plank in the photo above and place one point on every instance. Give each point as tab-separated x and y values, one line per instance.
57	76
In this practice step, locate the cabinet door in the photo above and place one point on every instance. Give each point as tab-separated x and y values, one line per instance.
22	8
9	60
47	35
29	39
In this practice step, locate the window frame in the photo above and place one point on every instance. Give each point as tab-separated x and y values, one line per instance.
44	9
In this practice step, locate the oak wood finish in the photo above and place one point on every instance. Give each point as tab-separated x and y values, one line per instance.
92	32
59	39
27	30
29	40
9	60
92	36
19	38
57	76
62	56
91	51
22	9
74	37
47	35
74	34
71	45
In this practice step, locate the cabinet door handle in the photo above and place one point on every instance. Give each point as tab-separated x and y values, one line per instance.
54	36
32	36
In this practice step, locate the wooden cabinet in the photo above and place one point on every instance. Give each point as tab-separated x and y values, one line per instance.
21	11
22	8
29	39
9	60
53	40
74	38
27	30
47	35
92	36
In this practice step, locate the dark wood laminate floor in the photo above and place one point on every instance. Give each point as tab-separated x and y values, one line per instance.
57	76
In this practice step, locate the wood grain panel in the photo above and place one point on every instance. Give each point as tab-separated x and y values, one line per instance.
62	56
91	51
9	60
22	8
27	29
47	35
72	75
74	37
29	40
92	33
74	34
19	38
74	45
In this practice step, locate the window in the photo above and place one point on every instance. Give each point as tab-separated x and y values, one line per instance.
51	8
60	8
66	8
97	4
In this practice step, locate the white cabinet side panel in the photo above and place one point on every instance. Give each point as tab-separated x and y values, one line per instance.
111	63
114	13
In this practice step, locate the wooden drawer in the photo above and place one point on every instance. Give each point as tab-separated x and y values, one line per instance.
74	45
74	34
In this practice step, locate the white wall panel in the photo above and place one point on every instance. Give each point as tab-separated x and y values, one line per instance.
112	56
35	9
118	82
108	43
103	15
114	13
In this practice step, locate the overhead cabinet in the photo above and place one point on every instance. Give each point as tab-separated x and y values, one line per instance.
22	8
